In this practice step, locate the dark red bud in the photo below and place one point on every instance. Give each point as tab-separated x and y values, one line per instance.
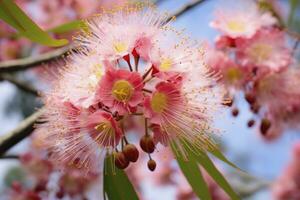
251	123
235	112
255	108
250	98
131	153
147	144
151	165
120	160
265	126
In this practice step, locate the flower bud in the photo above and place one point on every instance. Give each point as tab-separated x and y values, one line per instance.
235	112
250	98
120	160
151	165
251	123
131	153
147	144
265	126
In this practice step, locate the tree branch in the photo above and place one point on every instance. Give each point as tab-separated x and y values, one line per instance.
25	63
23	86
23	130
184	9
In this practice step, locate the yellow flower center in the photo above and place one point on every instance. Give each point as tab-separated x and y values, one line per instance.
159	102
102	126
236	26
233	74
120	47
260	52
165	64
122	90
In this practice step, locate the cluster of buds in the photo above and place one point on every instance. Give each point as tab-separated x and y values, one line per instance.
252	56
132	71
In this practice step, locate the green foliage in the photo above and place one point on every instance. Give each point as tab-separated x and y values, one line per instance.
192	173
14	174
116	183
191	170
294	19
14	16
69	26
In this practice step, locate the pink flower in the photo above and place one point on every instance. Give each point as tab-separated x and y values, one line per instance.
77	137
120	90
266	49
115	36
231	74
103	129
241	19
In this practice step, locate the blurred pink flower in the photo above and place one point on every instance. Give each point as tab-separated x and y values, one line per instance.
266	49
241	19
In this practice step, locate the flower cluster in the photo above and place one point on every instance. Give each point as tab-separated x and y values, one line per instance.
252	56
131	69
41	181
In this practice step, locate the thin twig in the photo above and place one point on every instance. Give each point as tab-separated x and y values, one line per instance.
25	63
23	130
22	85
184	9
9	157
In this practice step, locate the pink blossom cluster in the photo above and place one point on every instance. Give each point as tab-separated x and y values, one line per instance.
39	175
132	72
252	56
287	186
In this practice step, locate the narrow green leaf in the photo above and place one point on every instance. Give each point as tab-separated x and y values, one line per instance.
14	16
69	26
193	174
218	154
293	7
210	168
116	183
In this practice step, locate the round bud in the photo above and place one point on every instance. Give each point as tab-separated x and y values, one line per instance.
120	160
251	123
235	112
151	165
265	126
131	153
255	108
250	98
147	144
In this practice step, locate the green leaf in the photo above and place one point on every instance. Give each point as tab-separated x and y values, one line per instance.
193	174
201	158
293	7
210	168
69	26
14	16
116	183
218	154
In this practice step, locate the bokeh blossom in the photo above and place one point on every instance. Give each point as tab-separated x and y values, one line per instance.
241	19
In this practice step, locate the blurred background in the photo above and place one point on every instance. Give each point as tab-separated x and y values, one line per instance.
261	159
